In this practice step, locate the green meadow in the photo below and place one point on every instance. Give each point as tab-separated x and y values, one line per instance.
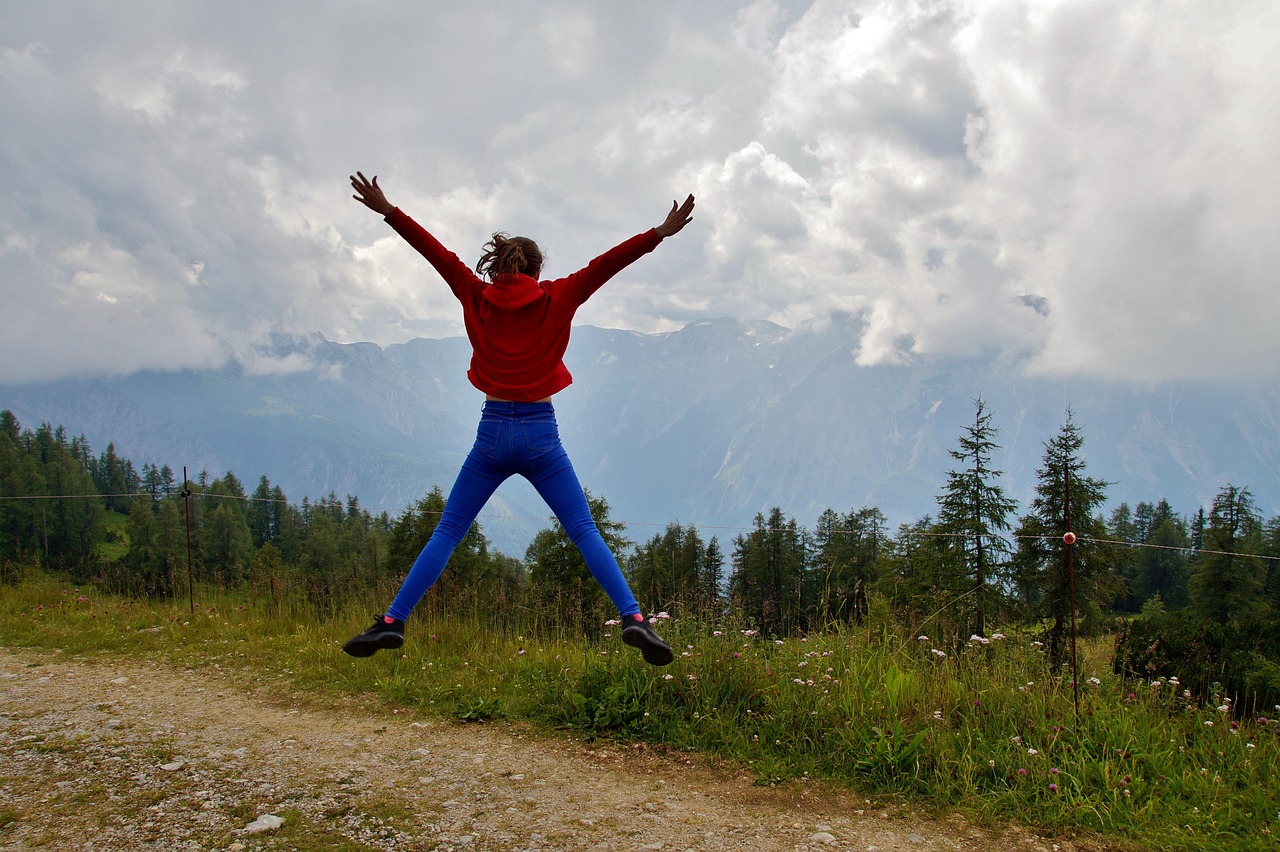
986	730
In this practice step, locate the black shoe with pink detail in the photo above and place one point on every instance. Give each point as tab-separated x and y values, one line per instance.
638	633
385	633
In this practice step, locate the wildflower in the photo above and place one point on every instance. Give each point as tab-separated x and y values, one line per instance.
613	622
750	632
982	640
1032	752
1053	770
923	638
937	715
662	615
996	637
1208	724
1015	739
1093	681
941	655
1022	772
737	654
520	653
716	633
668	677
777	641
692	676
1053	788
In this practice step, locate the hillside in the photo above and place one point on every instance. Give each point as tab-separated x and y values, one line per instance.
708	425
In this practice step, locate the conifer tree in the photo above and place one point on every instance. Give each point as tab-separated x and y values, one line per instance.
561	579
713	578
847	551
1044	563
1227	577
769	581
1160	567
666	572
973	516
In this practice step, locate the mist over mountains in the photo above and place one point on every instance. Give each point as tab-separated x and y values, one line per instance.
707	425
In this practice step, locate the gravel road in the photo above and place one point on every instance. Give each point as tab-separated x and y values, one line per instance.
103	753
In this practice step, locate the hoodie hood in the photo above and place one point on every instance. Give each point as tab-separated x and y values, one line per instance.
510	292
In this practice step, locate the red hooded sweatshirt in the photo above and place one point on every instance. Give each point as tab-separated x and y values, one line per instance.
519	326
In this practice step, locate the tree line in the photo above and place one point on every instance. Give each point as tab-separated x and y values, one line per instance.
953	575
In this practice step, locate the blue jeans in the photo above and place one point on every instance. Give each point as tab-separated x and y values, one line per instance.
515	438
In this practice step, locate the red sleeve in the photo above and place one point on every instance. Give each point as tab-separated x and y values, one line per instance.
580	285
455	273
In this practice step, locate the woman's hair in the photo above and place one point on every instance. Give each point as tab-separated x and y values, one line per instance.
506	255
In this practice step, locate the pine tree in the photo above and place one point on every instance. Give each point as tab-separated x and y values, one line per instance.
667	572
713	578
973	515
561	580
20	527
846	559
1160	566
1044	563
1227	577
769	581
263	520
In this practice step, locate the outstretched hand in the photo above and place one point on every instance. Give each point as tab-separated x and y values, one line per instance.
677	218
370	194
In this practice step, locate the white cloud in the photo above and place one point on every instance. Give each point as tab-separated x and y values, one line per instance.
1086	184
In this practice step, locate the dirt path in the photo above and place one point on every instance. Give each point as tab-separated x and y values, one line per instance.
107	754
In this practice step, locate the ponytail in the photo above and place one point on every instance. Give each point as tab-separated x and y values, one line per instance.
508	255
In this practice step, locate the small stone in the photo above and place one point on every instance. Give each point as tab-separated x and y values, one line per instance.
120	681
266	822
914	838
173	766
822	837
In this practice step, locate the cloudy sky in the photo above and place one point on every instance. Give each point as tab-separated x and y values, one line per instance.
1089	186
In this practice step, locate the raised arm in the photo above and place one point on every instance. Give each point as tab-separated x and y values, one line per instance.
455	273
676	219
370	194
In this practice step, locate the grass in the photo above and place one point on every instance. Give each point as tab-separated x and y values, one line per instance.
986	730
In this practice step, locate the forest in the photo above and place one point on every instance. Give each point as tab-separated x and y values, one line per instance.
1195	595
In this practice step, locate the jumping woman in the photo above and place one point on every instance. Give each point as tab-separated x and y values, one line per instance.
518	326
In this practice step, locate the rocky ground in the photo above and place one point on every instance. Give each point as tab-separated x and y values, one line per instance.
109	754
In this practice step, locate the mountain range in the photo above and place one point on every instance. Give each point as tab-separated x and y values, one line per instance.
708	425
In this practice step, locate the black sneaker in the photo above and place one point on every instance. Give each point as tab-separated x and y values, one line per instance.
386	632
637	633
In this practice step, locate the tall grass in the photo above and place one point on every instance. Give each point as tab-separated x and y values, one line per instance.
986	729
